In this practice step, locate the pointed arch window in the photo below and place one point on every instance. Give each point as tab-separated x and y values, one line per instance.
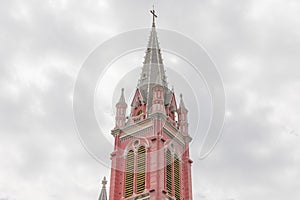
169	177
129	174
141	168
173	175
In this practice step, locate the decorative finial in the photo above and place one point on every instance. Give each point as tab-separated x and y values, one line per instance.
180	95
122	90
154	16
104	182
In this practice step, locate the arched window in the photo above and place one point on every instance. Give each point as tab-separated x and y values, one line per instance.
129	174
169	177
141	168
177	178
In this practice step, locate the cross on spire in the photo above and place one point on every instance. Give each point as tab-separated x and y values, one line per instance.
154	16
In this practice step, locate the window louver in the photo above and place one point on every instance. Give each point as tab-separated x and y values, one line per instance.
141	167
169	171
177	178
129	174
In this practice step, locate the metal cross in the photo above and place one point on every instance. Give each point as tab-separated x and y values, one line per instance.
154	16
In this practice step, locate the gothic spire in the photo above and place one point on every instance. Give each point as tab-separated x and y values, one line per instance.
103	195
153	71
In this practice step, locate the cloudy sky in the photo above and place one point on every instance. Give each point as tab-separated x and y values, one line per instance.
254	43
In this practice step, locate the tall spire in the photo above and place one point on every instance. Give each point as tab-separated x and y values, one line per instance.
153	72
103	195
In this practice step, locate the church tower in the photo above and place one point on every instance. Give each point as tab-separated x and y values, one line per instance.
151	157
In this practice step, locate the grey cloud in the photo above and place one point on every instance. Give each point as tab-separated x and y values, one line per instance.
256	157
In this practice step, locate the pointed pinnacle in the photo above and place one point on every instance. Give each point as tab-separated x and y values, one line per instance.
181	105
122	98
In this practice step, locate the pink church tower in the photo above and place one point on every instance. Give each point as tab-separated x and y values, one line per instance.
151	157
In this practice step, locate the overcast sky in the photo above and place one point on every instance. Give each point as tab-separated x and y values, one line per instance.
255	45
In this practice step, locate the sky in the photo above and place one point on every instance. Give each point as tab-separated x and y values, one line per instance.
255	45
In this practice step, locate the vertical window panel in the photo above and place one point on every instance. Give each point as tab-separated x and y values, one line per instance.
177	178
141	168
169	177
129	174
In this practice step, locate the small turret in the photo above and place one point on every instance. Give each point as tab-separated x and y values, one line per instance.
121	112
182	118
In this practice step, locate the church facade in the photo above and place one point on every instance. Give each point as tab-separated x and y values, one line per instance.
151	159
